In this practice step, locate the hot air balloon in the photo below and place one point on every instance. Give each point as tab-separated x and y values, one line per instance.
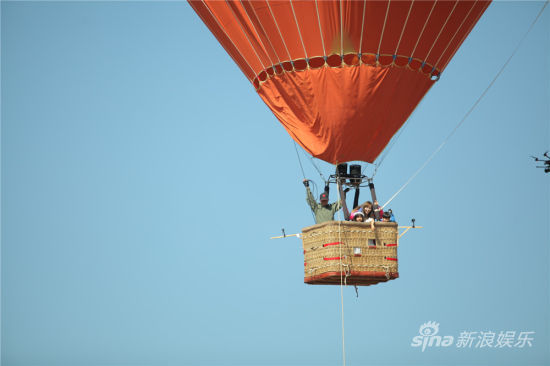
342	77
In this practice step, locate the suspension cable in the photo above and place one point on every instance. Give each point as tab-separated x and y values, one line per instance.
303	173
299	160
472	107
312	163
318	170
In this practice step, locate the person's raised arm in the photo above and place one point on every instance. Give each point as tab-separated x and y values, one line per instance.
309	199
341	203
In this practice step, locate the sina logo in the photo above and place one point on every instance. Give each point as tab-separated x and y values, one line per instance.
428	337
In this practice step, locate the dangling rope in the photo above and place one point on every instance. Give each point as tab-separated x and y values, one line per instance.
340	251
471	108
341	282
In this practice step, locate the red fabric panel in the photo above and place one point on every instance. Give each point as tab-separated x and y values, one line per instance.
329	17
234	29
374	22
272	36
352	21
251	41
467	24
282	15
202	11
333	118
449	29
394	32
309	27
431	28
260	32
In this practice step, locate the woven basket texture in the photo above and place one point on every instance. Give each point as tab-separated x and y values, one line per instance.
364	256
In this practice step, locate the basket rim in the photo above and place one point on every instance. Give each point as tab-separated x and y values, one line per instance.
354	224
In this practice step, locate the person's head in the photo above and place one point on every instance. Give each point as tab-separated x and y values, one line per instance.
367	207
323	198
386	217
359	216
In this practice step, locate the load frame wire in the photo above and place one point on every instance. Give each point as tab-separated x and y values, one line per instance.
299	160
476	103
312	159
303	173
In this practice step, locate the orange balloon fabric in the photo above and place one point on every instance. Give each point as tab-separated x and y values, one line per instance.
341	76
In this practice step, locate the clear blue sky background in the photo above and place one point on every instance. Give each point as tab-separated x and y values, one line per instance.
142	178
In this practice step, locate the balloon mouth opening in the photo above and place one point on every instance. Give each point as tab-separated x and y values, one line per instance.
348	60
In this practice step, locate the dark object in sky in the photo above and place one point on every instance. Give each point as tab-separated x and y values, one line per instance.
545	160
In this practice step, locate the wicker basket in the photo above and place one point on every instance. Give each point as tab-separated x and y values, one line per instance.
350	252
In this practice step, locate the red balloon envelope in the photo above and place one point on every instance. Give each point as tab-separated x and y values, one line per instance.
341	76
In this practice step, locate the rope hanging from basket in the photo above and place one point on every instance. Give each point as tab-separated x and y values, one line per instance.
341	283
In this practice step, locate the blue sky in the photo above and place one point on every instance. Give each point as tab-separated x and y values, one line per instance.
142	178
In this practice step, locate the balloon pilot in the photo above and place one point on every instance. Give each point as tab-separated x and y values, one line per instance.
323	211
